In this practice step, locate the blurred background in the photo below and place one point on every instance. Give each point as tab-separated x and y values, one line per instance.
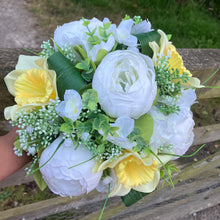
192	23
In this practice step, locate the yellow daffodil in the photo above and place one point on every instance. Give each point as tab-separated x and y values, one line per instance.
133	172
175	61
31	83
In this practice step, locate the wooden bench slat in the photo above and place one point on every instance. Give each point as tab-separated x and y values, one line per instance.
196	187
206	134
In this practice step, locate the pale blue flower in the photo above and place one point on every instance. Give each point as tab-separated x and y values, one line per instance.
71	106
126	126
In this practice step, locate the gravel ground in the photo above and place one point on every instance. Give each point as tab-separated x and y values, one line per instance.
18	26
20	29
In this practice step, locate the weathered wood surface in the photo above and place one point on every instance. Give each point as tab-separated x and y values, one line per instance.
197	187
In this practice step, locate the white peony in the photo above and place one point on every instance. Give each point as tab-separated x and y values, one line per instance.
68	182
74	33
175	130
125	82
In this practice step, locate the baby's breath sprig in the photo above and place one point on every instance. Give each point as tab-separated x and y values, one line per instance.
67	50
48	49
38	128
169	80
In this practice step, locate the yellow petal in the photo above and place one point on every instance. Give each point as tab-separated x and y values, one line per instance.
132	172
26	62
11	78
176	61
33	86
149	187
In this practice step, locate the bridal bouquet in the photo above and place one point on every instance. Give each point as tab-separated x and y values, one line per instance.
102	107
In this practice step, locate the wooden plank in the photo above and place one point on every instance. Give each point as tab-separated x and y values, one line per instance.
196	187
206	134
17	178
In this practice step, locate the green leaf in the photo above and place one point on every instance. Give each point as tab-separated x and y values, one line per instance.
146	125
100	122
67	128
85	22
68	76
88	86
144	40
132	197
81	51
83	127
155	100
169	36
90	99
100	55
38	178
107	25
83	65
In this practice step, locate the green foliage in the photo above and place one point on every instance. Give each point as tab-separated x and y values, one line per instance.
165	77
4	195
146	125
103	31
101	122
87	70
144	40
68	77
137	19
136	136
193	24
90	99
170	169
100	55
83	127
38	178
166	109
67	127
132	197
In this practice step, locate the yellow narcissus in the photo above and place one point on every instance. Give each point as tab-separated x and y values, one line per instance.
175	61
31	83
133	172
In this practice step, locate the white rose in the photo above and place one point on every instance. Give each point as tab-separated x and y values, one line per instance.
125	82
68	182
